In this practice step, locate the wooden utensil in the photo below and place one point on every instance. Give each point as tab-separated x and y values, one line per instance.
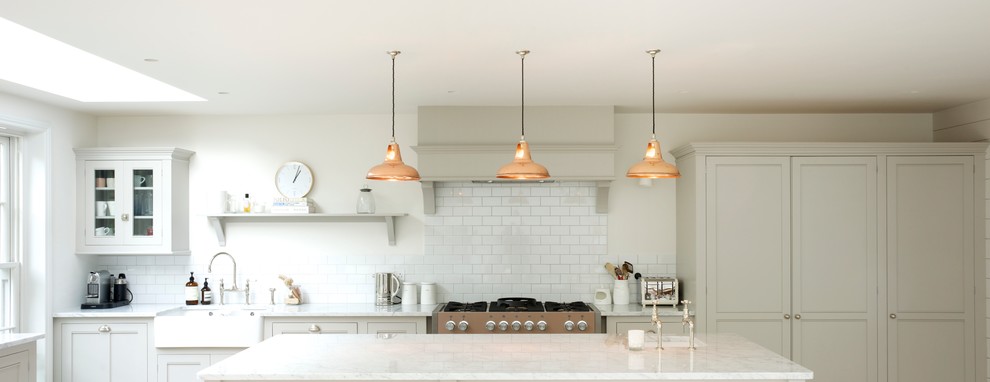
610	268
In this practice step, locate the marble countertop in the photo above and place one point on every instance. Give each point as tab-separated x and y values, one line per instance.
9	340
303	310
515	357
637	310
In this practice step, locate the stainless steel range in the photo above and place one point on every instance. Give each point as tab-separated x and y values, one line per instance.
516	315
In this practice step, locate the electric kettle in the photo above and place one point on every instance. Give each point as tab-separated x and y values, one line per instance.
386	288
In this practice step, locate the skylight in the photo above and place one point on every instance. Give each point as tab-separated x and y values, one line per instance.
41	62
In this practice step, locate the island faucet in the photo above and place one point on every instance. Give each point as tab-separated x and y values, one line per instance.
689	321
655	319
209	268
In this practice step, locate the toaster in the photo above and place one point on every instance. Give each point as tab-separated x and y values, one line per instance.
666	287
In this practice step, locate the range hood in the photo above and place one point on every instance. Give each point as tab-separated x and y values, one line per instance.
470	143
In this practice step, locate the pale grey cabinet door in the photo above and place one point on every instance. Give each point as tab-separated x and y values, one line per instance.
104	352
748	248
930	260
834	267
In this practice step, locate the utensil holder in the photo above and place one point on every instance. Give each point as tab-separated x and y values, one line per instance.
620	292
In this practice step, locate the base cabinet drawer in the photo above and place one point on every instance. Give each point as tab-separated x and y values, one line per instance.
623	324
392	327
314	328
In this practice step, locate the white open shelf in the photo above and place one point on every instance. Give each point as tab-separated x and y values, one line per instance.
219	221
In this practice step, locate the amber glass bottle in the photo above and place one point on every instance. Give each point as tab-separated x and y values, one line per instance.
192	291
206	294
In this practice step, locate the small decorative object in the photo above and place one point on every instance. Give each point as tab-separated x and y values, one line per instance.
366	201
294	180
295	295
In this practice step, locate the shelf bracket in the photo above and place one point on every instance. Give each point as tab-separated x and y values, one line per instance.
218	227
390	226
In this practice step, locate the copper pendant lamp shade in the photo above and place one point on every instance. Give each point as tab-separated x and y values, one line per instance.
522	165
393	168
653	166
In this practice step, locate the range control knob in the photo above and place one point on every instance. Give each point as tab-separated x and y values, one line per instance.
528	325
516	325
582	326
569	325
541	326
463	325
490	325
503	326
450	325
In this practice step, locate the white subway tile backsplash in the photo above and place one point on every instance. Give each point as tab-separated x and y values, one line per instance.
485	241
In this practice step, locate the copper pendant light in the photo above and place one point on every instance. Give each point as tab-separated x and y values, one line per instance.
653	166
522	166
393	168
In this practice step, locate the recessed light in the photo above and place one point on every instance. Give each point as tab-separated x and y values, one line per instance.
683	92
223	93
150	60
914	92
41	62
451	91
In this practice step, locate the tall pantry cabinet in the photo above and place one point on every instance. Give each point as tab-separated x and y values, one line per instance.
860	261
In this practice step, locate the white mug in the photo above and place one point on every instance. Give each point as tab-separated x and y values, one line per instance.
104	231
111	207
139	180
101	209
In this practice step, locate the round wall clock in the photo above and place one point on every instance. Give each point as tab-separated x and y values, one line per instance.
294	180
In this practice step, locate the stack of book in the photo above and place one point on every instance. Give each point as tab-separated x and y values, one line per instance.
291	206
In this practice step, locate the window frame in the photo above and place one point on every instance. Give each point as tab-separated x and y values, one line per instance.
10	227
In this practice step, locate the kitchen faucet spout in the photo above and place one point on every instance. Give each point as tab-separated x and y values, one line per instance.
210	269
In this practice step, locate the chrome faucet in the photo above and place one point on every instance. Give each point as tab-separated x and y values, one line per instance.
232	289
655	319
689	321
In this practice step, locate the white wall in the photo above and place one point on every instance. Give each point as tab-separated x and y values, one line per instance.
240	154
52	274
970	123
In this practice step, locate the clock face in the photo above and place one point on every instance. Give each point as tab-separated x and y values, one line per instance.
294	180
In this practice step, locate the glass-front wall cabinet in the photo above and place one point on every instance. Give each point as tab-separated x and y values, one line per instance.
124	198
132	201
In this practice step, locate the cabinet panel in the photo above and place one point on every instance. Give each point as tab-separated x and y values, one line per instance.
835	262
181	368
930	350
16	367
748	248
670	325
930	213
836	350
85	353
773	334
118	353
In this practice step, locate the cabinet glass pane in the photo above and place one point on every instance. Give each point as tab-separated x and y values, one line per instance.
144	214
105	210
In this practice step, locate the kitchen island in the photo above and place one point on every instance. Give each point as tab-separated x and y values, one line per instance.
500	357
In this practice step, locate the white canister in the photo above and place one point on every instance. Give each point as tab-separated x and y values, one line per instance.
409	293
620	292
428	293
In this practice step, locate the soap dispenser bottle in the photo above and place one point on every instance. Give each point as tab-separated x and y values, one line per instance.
192	291
205	294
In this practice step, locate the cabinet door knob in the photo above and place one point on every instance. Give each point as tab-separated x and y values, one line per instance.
787	316
314	328
797	316
124	217
104	329
893	316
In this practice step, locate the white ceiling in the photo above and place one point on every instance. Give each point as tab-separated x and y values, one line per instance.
719	56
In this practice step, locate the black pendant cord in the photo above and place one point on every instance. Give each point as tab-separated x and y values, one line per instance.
653	73
522	94
393	96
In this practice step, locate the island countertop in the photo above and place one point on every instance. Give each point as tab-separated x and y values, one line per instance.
515	357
